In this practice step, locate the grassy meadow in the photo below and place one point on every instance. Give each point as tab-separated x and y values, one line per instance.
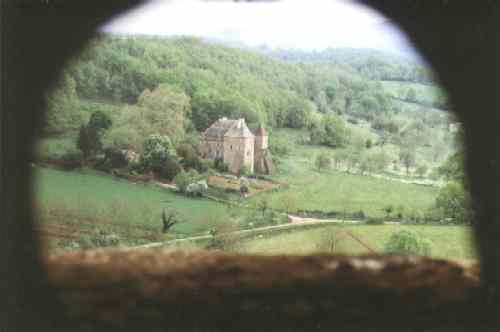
425	93
449	242
330	190
56	146
63	197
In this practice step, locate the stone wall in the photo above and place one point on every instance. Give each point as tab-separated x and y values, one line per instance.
239	152
261	142
263	161
212	149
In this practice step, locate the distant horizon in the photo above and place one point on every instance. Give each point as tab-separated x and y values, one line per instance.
258	48
323	25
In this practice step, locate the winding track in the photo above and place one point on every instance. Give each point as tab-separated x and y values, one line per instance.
295	222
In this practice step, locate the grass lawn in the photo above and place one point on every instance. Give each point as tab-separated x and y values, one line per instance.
338	191
450	242
56	146
105	199
425	93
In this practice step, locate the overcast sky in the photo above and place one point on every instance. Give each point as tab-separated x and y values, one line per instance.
303	24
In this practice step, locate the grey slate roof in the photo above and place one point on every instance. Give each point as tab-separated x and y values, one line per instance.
219	128
225	127
242	131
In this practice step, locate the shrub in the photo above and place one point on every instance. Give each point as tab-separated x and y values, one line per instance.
63	107
421	170
322	161
406	242
100	120
400	212
186	151
331	131
123	138
220	165
103	164
375	221
197	188
230	190
223	235
244	171
100	239
208	164
194	162
90	136
117	158
244	189
72	160
382	123
359	215
157	149
279	148
414	217
389	209
89	141
192	139
169	169
454	202
184	179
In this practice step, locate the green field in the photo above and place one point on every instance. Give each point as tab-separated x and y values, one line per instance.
104	199
331	190
450	242
57	146
425	93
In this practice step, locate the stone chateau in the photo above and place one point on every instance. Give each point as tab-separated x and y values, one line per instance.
232	142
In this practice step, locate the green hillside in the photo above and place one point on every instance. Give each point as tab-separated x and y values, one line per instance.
371	63
449	242
91	199
220	81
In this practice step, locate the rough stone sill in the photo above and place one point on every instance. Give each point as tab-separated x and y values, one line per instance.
163	288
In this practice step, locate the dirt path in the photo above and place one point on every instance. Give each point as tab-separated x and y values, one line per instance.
295	222
166	185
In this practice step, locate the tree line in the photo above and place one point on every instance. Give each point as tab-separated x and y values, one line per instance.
214	81
372	64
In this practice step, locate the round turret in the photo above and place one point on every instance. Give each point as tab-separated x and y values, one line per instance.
261	138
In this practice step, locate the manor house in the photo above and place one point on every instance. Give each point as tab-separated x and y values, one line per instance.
233	143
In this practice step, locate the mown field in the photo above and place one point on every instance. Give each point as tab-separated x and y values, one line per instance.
57	145
450	242
103	201
331	190
425	93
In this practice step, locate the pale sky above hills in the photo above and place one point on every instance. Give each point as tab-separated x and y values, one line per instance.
301	24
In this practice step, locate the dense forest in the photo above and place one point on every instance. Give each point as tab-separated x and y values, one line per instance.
371	63
210	81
